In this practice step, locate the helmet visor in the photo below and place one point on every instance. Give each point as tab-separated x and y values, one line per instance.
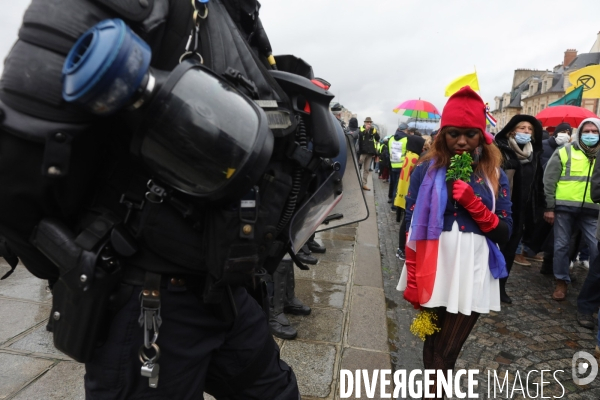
203	135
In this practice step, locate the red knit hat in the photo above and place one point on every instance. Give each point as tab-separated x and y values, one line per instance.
465	109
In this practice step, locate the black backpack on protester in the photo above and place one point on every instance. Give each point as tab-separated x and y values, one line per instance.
384	160
75	200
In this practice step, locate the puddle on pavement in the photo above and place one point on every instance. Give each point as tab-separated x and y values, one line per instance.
322	294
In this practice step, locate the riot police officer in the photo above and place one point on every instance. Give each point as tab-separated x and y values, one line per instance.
137	139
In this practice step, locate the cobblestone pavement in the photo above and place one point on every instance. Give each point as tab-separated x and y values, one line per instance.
533	333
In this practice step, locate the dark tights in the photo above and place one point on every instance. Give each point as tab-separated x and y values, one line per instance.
441	349
402	232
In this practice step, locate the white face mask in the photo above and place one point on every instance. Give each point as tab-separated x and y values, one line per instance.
562	138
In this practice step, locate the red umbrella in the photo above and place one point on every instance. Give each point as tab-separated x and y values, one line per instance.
552	116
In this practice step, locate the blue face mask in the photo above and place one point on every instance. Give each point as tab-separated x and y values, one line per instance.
522	138
589	139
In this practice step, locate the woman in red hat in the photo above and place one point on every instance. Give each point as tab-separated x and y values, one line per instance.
453	263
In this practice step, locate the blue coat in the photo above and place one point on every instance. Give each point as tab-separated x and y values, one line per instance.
549	145
457	212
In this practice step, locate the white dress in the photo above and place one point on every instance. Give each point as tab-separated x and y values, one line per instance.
463	281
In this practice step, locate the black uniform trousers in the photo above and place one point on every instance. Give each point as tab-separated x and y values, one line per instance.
200	352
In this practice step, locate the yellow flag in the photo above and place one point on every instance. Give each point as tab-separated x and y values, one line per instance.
589	78
458	83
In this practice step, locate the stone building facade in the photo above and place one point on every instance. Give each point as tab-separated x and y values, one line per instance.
543	90
509	104
347	114
533	90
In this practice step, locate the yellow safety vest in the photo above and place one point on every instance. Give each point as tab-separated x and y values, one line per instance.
574	182
397	149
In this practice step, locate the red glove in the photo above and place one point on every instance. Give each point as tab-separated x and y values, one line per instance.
464	194
410	293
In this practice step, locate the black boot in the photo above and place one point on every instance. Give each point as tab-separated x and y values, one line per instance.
503	296
305	257
279	325
315	247
296	307
293	305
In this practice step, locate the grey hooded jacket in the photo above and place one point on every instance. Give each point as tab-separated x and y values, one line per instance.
553	172
552	175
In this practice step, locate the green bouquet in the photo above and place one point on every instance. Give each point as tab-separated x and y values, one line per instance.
460	167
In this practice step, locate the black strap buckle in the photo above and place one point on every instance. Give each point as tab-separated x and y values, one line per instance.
156	194
131	205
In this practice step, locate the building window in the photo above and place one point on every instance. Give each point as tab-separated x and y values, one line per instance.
542	107
544	87
529	111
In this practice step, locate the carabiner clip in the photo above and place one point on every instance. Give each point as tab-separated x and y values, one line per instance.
200	5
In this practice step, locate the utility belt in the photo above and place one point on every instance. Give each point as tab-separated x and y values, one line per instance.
94	264
95	283
135	276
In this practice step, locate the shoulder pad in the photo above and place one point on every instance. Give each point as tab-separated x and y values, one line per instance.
134	10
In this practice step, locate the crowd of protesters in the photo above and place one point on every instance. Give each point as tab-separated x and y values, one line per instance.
532	196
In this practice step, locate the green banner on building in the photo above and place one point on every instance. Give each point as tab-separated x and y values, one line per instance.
570	99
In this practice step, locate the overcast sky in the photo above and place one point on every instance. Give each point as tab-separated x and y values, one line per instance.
379	53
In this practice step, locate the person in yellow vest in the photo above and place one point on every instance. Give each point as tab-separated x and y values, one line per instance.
413	150
396	146
567	189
